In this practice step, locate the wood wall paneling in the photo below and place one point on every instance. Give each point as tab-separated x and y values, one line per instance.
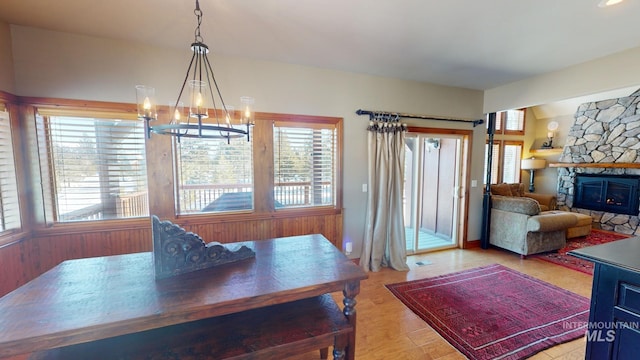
25	260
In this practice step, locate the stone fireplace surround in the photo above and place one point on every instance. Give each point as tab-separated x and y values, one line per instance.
604	139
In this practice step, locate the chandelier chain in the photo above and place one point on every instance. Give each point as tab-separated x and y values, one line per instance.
198	14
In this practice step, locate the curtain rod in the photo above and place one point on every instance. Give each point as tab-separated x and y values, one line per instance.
373	114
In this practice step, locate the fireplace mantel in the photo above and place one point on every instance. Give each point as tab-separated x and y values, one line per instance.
595	165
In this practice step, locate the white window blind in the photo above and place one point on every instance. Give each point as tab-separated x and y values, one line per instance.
514	120
9	204
511	163
96	167
495	163
214	176
305	165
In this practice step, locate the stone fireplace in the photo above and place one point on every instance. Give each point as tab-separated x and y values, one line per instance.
604	141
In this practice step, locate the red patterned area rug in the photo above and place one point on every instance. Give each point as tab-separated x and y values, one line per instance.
561	257
494	312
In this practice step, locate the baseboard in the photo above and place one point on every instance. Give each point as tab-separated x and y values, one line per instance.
474	244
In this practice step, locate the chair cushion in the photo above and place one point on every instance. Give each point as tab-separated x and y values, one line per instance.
501	189
517	189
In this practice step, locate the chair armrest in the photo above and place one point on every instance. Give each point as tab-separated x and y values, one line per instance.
548	200
516	204
552	221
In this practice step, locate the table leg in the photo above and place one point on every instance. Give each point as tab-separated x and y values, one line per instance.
351	289
339	345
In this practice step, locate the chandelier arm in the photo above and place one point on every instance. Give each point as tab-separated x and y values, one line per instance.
196	53
215	83
209	74
186	77
209	69
184	83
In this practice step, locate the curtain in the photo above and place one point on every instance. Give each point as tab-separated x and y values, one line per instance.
384	237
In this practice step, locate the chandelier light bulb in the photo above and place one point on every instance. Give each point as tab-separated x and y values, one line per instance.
247	109
146	103
199	100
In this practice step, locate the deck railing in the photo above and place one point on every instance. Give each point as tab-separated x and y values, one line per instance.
193	198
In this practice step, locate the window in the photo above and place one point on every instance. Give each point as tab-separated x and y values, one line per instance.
512	153
513	121
213	175
510	122
9	205
294	166
96	165
505	165
304	164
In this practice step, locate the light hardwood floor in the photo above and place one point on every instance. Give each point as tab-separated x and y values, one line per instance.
386	329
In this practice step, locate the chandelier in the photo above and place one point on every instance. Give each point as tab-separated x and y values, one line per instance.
204	101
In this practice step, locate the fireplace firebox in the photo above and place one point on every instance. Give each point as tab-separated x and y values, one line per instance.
611	193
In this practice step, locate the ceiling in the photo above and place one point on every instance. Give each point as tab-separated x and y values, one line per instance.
464	43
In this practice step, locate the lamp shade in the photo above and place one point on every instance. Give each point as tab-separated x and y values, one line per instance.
533	164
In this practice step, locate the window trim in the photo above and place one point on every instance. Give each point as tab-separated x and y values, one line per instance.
12	105
501	122
501	146
43	120
263	170
6	108
313	126
513	143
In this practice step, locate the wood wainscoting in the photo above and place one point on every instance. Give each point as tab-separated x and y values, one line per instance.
26	259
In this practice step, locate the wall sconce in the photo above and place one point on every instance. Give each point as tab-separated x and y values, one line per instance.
532	165
551	131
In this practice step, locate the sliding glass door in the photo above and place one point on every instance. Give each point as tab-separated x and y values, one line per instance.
432	191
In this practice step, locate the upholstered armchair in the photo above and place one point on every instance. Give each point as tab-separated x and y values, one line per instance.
519	225
547	201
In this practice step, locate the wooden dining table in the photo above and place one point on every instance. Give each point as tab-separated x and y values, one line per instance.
91	299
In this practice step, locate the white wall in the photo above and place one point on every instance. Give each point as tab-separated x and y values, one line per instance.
620	70
53	64
6	61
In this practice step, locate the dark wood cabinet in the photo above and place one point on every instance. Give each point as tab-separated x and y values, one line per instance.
613	331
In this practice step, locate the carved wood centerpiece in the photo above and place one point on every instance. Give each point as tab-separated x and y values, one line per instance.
176	251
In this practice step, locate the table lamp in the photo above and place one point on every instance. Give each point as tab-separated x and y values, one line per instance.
532	165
